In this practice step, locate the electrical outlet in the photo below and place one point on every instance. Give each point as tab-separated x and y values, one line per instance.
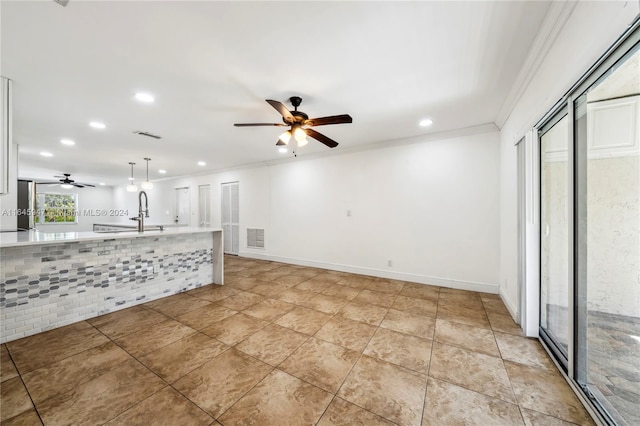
389	263
348	213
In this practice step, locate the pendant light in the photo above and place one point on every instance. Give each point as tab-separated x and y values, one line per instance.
146	184
131	187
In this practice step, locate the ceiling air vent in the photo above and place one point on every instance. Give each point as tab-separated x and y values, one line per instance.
255	238
151	135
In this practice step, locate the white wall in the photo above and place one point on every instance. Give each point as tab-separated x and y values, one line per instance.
589	31
431	207
95	205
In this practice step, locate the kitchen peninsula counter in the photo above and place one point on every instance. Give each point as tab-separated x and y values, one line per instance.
49	280
25	238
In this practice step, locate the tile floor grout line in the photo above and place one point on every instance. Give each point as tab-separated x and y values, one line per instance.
99	331
250	389
455	345
33	403
335	395
469	350
549	415
433	343
259	360
55	362
138	361
190	371
475	391
351	370
500	357
158	376
134	405
515	397
521	414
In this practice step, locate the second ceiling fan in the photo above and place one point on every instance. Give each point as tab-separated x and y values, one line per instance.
300	124
66	182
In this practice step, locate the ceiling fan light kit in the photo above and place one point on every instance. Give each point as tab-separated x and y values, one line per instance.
300	124
301	136
284	138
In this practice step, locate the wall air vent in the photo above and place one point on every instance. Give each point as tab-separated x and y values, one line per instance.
151	135
255	238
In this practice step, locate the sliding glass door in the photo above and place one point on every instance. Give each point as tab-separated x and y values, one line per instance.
607	164
589	157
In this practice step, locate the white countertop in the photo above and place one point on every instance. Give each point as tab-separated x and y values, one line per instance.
27	238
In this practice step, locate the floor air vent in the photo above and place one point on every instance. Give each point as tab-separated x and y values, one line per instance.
255	238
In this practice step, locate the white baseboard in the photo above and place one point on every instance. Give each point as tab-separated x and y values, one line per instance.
511	307
403	276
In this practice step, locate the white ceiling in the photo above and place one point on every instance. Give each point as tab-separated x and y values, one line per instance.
211	64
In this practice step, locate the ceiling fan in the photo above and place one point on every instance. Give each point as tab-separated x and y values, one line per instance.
66	183
300	124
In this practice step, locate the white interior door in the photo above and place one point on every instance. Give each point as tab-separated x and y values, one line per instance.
231	217
183	206
204	206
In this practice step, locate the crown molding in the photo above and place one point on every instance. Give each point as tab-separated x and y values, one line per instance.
553	23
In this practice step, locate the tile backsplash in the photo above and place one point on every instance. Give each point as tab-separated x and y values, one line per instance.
48	286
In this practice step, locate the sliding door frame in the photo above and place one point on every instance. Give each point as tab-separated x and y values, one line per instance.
552	118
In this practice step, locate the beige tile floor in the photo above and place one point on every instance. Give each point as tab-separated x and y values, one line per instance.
288	345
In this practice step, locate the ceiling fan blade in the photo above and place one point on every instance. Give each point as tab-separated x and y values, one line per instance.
258	124
282	109
322	138
77	185
48	183
280	143
333	119
86	184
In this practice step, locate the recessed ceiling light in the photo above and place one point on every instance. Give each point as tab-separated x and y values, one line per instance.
201	163
426	122
130	178
97	125
162	171
101	184
282	150
67	142
46	154
147	98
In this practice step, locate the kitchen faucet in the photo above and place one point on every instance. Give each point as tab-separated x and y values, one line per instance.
141	216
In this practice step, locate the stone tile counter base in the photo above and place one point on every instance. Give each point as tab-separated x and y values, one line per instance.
50	285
